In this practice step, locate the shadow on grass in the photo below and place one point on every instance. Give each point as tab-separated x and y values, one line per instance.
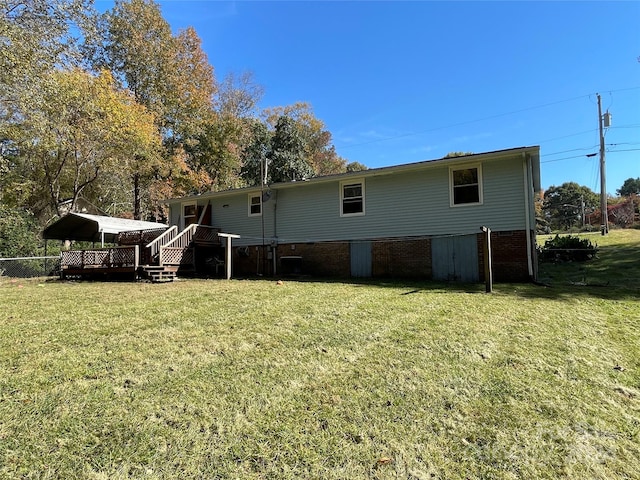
556	291
614	275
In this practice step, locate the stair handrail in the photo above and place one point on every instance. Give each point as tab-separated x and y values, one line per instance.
184	238
159	241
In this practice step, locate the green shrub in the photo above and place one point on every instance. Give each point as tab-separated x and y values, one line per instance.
568	248
18	236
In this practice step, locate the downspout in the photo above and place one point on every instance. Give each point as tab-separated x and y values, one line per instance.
275	231
527	212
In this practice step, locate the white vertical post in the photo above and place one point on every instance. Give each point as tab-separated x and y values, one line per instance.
488	268
227	262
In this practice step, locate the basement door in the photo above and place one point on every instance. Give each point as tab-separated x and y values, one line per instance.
360	253
455	258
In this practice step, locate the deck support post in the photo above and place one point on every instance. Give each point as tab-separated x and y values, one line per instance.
227	261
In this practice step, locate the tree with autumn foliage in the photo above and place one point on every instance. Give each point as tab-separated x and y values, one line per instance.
171	76
83	131
117	109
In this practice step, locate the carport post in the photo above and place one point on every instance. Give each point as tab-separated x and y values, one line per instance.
488	268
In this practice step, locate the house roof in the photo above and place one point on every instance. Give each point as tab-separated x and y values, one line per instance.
532	151
91	228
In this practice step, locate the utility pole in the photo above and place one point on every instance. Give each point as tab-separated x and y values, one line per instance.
604	219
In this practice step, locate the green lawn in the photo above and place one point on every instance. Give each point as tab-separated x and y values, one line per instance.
250	379
617	263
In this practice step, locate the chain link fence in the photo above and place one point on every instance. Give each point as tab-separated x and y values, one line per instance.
29	267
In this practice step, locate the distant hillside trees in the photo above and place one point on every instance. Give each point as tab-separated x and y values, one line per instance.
570	206
631	186
563	206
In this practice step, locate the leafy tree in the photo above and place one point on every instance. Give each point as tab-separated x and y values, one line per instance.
217	152
189	100
138	50
457	154
356	167
629	187
238	95
563	205
542	224
36	36
286	161
256	153
17	237
82	130
171	76
319	151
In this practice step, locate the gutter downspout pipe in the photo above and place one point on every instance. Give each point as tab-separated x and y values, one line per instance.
526	166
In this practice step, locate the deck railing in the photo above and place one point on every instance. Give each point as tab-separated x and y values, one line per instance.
178	251
101	258
160	241
207	235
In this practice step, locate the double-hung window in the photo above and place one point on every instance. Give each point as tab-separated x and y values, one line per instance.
189	213
465	185
352	197
255	205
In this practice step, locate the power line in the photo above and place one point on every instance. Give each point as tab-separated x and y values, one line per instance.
422	132
561	159
584	155
572	150
626	150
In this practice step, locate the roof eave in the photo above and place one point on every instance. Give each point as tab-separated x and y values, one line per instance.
532	150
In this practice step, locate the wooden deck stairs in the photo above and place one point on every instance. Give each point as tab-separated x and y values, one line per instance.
172	252
159	273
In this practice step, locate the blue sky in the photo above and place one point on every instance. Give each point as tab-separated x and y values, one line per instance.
400	82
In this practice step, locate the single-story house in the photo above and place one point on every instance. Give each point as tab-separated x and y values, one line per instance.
420	220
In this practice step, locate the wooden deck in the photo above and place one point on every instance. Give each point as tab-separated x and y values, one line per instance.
157	255
101	262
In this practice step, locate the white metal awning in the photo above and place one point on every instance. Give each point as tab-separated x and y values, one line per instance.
95	228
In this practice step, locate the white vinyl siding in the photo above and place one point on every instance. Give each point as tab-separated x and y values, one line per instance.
411	203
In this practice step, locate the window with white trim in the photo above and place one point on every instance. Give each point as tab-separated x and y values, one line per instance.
352	197
189	213
255	205
465	185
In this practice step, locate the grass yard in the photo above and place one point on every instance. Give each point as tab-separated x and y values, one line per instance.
253	380
617	263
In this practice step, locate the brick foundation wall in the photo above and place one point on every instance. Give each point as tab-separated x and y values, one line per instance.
391	258
402	258
509	256
322	259
247	261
